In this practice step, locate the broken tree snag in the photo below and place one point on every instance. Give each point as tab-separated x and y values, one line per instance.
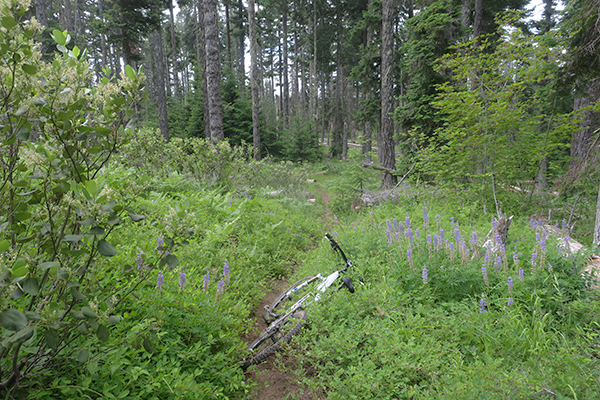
380	168
500	228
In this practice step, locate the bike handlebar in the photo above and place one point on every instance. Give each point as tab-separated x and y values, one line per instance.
335	246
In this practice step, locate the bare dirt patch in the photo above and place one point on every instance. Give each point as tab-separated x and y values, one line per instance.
272	383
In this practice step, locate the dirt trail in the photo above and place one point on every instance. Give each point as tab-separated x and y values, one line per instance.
272	383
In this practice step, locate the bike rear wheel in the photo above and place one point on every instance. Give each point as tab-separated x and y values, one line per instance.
271	341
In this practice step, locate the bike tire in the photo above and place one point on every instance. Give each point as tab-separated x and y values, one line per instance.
266	349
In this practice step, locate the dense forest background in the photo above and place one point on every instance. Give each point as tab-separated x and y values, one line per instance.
163	166
468	92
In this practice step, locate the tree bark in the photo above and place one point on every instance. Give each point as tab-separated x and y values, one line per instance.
103	47
285	105
161	96
478	18
201	49
213	71
254	79
581	139
388	154
40	12
174	51
240	36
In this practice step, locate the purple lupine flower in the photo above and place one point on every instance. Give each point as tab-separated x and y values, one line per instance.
533	257
407	222
567	245
226	271
139	261
438	219
409	235
452	222
400	227
335	218
389	237
206	280
484	208
510	302
485	276
395	224
220	287
441	237
509	282
482	303
486	259
159	241
456	235
334	233
424	275
428	239
515	257
160	280
521	274
451	246
389	225
182	279
564	224
409	254
425	215
498	263
435	240
417	234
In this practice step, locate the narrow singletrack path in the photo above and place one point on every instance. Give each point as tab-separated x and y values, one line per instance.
273	384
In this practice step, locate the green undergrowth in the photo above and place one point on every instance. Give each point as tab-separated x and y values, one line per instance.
439	319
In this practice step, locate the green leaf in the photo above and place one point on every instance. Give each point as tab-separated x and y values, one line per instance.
13	320
22	335
129	71
88	312
170	261
96	231
108	206
102	333
106	249
30	69
91	187
136	217
8	22
83	355
52	339
22	216
49	264
148	346
33	316
82	328
59	37
4	245
72	238
31	286
114	319
77	294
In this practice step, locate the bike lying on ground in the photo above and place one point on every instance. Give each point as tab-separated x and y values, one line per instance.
287	315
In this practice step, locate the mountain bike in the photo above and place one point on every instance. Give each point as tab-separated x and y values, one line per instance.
287	315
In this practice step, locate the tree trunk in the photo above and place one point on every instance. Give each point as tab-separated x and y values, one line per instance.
103	47
478	18
163	120
213	71
241	35
285	96
228	34
201	40
388	156
582	138
337	145
254	79
174	51
313	93
40	12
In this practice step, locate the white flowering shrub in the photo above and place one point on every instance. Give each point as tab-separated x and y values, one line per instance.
57	131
